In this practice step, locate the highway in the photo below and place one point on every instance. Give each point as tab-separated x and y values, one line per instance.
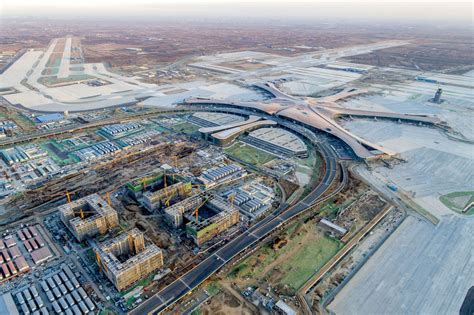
180	287
42	134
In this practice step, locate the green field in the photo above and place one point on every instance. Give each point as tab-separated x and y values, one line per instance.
213	288
249	154
185	127
457	201
288	268
304	263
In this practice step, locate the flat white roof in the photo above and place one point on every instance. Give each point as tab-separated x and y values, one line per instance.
219	118
280	137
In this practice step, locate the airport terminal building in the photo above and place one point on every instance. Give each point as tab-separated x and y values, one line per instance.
277	141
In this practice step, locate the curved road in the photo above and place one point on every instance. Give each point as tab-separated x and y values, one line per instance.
176	290
180	287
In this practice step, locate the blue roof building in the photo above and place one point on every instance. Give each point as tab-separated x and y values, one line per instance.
49	117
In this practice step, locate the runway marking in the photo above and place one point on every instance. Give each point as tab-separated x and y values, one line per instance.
185	284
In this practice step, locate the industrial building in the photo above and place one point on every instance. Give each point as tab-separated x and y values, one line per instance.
21	154
277	141
153	200
252	199
62	291
126	259
221	173
88	216
7	305
119	129
174	214
225	217
47	118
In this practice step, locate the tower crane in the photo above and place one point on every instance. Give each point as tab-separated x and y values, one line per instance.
196	212
68	195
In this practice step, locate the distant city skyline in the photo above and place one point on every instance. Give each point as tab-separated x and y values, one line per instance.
458	12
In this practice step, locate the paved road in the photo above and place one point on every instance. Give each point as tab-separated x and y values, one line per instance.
194	277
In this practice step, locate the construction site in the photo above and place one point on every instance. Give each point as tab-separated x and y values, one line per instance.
263	177
88	216
287	264
212	217
126	259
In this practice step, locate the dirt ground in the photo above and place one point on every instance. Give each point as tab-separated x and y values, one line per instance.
226	303
244	65
450	55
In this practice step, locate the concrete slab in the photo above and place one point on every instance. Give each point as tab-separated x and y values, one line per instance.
420	269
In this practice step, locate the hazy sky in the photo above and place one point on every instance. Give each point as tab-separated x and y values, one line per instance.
422	10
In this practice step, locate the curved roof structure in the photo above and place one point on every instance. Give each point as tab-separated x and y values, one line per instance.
310	118
210	130
265	107
321	114
230	134
273	90
280	137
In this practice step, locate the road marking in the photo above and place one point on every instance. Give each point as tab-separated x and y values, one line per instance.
304	204
160	298
185	283
251	234
280	219
220	257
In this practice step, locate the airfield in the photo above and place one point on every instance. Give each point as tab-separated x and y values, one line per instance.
375	112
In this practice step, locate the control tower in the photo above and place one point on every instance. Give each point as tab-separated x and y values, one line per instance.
437	98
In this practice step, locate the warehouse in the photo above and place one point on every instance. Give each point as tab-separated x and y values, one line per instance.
252	199
119	129
47	118
221	173
277	141
7	305
41	255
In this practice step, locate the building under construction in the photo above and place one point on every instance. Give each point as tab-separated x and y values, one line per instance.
150	182
153	200
224	217
88	216
174	214
126	258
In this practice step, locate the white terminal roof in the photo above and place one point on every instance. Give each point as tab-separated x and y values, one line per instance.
280	137
219	118
229	133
